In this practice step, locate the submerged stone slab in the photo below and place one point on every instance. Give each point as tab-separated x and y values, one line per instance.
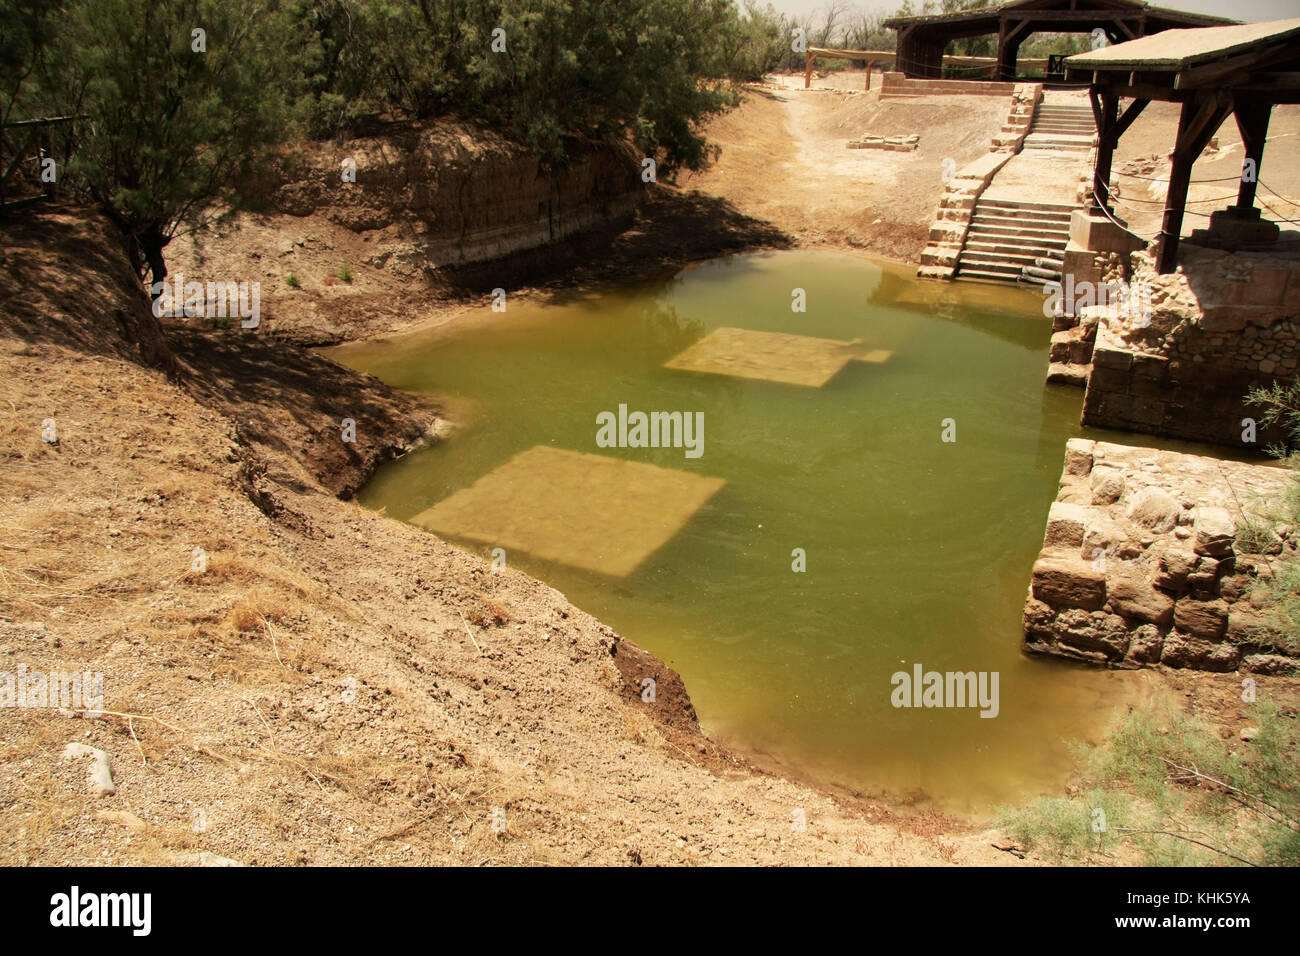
587	511
773	356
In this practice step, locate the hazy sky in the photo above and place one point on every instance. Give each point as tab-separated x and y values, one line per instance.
1237	9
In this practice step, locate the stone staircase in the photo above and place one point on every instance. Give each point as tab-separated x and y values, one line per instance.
1061	126
1010	241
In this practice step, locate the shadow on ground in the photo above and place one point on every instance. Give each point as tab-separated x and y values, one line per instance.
672	228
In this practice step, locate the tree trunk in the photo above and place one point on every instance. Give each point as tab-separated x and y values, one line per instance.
151	242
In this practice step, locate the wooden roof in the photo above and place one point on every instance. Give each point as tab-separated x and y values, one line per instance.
1178	50
1060	10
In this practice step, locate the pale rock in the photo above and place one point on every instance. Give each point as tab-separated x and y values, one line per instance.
1065	581
1215	531
1078	456
1065	525
1154	509
99	776
1107	485
1173	568
1132	596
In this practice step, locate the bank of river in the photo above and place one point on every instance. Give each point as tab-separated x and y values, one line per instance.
917	550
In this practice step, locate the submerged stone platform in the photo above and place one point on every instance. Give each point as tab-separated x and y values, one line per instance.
773	356
588	511
1154	557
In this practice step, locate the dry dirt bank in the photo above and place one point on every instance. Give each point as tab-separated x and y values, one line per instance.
438	216
335	687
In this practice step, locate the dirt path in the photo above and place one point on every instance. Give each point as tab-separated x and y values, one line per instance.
784	160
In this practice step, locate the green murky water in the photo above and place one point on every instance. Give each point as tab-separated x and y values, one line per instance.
918	551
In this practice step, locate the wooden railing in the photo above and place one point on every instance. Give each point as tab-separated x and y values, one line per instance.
32	138
988	63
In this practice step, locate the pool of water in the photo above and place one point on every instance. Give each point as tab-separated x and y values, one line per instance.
917	550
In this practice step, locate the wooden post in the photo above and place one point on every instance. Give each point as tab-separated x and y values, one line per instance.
1104	113
1252	122
1199	120
1105	103
1180	174
807	72
1009	49
867	87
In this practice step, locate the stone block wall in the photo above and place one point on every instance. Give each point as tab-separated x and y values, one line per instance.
1221	325
896	84
1154	557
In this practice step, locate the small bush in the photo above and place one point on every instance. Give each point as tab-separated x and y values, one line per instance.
1174	793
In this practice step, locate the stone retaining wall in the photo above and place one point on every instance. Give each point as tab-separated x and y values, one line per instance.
1221	325
1154	557
896	84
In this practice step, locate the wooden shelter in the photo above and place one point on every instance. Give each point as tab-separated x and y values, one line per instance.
923	39
1213	72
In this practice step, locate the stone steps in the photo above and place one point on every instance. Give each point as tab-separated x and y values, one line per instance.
1044	239
1074	143
1043	210
1007	218
1061	127
1010	241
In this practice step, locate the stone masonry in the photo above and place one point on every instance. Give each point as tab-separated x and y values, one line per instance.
1155	557
1221	325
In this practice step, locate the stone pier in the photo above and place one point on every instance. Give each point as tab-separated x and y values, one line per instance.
1155	557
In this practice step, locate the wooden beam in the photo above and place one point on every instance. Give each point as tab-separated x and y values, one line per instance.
1252	122
1105	105
1200	119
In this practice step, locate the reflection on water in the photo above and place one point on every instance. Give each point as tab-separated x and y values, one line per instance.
917	551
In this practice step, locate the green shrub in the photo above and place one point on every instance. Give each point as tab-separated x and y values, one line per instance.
1174	793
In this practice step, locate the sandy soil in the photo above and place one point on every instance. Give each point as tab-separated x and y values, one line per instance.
784	160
